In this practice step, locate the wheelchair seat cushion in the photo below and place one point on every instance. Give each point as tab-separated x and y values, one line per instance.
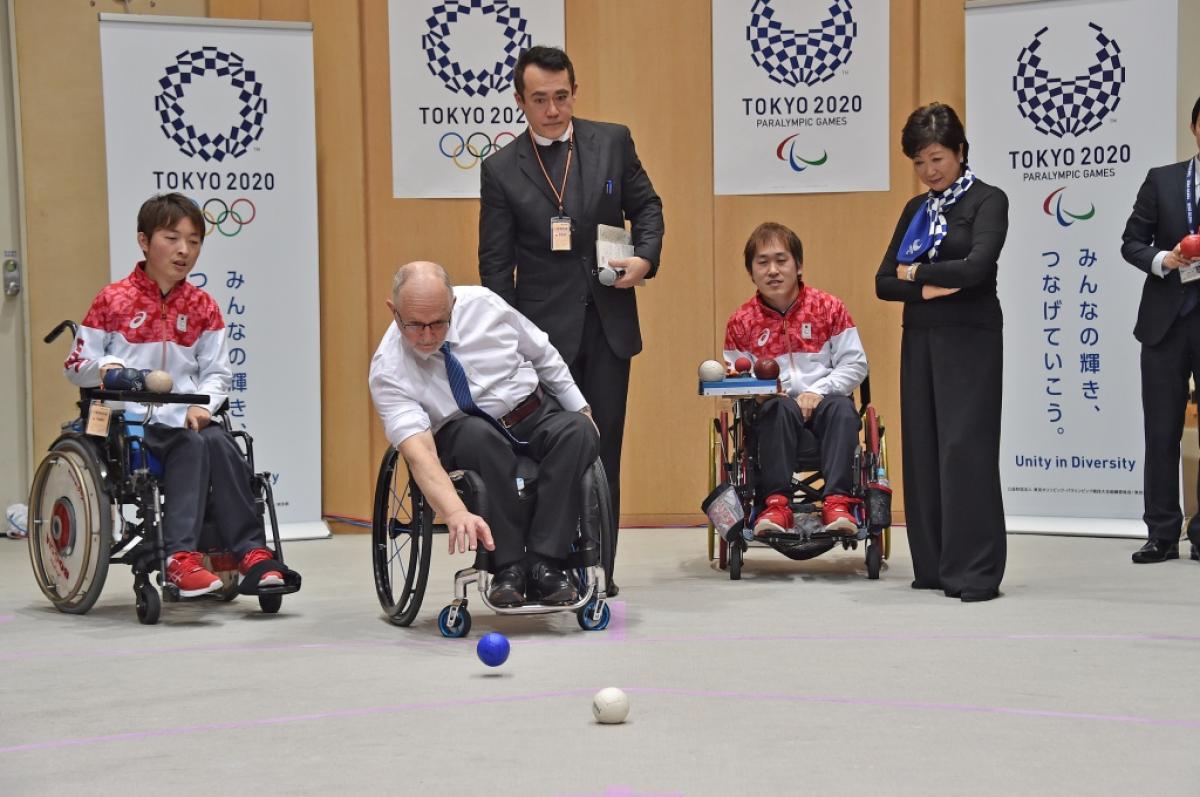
249	582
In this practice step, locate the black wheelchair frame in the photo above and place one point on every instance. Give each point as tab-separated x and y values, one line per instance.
733	459
402	531
99	474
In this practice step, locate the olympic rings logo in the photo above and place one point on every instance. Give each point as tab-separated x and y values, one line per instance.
240	213
476	146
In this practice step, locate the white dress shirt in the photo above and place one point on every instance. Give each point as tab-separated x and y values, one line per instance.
504	355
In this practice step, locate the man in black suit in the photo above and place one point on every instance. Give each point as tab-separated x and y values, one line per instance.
1168	327
541	197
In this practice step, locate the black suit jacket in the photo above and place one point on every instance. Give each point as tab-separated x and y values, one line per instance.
552	288
1158	222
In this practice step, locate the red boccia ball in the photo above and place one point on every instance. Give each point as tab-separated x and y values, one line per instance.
766	368
742	365
1189	247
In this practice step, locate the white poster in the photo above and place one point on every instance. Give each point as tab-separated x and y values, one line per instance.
452	94
1059	96
223	113
800	96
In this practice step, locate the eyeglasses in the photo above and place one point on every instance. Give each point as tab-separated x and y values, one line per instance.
416	328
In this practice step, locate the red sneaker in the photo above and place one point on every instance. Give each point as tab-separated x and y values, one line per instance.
186	570
271	578
775	517
837	515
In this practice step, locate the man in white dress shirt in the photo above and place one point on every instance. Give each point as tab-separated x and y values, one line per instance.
505	369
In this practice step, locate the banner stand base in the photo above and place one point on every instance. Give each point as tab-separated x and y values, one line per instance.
1132	528
306	530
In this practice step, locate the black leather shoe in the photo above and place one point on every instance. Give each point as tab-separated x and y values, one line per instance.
1156	550
1195	552
612	589
977	595
552	585
508	587
925	585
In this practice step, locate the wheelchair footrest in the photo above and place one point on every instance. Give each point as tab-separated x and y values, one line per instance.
249	582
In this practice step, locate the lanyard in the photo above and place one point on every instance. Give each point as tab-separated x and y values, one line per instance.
1189	193
559	193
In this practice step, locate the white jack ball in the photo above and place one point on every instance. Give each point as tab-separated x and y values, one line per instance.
159	382
610	706
711	371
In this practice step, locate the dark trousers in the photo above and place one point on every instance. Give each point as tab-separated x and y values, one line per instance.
205	478
603	377
1165	371
784	436
564	445
950	393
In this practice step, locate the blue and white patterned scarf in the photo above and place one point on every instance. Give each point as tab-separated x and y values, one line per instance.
928	226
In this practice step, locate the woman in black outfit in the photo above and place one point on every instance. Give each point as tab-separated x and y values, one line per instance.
942	264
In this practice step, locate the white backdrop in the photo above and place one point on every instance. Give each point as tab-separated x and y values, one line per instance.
239	139
452	93
1058	98
800	96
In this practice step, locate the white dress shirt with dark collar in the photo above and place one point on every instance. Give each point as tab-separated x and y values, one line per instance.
504	355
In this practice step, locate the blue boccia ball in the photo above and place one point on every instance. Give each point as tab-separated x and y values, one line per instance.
493	649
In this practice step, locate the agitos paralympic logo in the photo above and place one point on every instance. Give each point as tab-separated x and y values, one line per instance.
786	152
1053	206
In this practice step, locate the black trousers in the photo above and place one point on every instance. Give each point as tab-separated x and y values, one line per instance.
1165	371
564	445
205	478
950	393
603	377
784	436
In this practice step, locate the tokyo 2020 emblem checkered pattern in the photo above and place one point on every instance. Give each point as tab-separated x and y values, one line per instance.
807	57
444	67
207	146
1061	108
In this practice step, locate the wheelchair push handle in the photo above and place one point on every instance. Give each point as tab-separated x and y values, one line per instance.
58	330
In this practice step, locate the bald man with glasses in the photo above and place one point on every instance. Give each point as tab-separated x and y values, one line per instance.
463	380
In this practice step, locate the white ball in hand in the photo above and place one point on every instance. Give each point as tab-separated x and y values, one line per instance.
711	371
610	706
159	382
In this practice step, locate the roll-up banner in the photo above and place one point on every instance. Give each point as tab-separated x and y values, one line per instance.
222	111
1066	102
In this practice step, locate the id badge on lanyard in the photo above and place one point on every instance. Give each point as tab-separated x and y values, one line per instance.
1192	272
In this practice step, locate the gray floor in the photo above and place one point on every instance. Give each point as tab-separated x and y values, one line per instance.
803	678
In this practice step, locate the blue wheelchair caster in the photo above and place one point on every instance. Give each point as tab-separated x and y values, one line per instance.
457	627
593	617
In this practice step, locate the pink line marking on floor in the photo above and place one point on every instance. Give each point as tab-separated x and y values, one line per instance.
6	618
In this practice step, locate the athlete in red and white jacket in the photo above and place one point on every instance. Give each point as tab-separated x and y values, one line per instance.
132	323
156	319
821	362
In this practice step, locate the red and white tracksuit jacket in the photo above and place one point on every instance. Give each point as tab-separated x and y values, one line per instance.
815	342
131	323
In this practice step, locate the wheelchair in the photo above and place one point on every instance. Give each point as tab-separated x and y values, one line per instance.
733	474
402	531
80	489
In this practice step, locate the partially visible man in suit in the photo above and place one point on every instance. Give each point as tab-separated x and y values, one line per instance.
541	197
1168	327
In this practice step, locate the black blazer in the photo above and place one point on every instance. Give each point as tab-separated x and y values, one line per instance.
552	288
1158	222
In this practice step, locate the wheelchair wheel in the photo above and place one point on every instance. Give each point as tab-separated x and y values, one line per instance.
735	561
401	538
270	603
149	604
877	451
461	626
874	556
70	536
590	620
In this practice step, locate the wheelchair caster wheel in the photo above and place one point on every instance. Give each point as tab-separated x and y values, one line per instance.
462	623
270	603
874	557
590	619
735	561
149	605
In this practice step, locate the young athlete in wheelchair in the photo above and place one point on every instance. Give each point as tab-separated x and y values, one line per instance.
810	426
464	383
190	479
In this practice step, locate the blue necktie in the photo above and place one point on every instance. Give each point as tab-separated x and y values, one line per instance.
461	391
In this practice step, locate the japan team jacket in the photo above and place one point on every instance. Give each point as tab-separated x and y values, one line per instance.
815	342
131	323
